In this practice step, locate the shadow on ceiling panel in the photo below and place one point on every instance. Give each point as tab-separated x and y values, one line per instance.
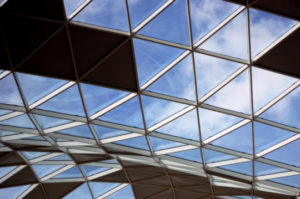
37	192
59	190
10	159
118	176
284	57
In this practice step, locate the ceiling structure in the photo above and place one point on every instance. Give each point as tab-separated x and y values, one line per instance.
149	99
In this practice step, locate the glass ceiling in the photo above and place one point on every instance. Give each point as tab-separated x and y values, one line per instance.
201	104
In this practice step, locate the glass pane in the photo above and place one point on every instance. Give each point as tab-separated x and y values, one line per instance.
97	98
151	58
74	172
29	155
290	180
4	112
68	102
286	111
234	96
6	170
211	71
266	169
105	132
238	140
212	122
177	82
80	131
185	126
72	5
267	85
266	136
140	10
92	170
60	157
9	93
35	87
266	28
105	13
156	110
48	122
7	133
193	155
207	14
125	193
137	142
288	154
127	114
160	144
19	121
79	193
99	188
171	24
230	40
244	168
13	192
44	170
211	156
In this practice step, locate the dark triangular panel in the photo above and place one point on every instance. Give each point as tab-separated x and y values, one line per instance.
37	8
283	57
24	35
118	176
10	158
4	62
144	191
116	71
58	190
53	59
25	176
84	158
163	195
90	46
37	192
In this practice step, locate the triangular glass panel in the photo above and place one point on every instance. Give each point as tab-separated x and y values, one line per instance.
266	28
112	161
7	133
80	192
230	40
137	142
185	126
36	87
9	93
48	122
151	58
289	180
63	157
161	144
106	132
177	82
266	169
19	121
234	96
79	131
29	155
105	13
68	102
288	154
4	112
92	170
156	110
74	172
72	5
44	170
212	122
6	170
140	10
13	192
96	97
286	111
211	71
123	193
207	14
128	114
267	85
193	155
100	188
211	156
244	168
238	140
171	25
266	136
